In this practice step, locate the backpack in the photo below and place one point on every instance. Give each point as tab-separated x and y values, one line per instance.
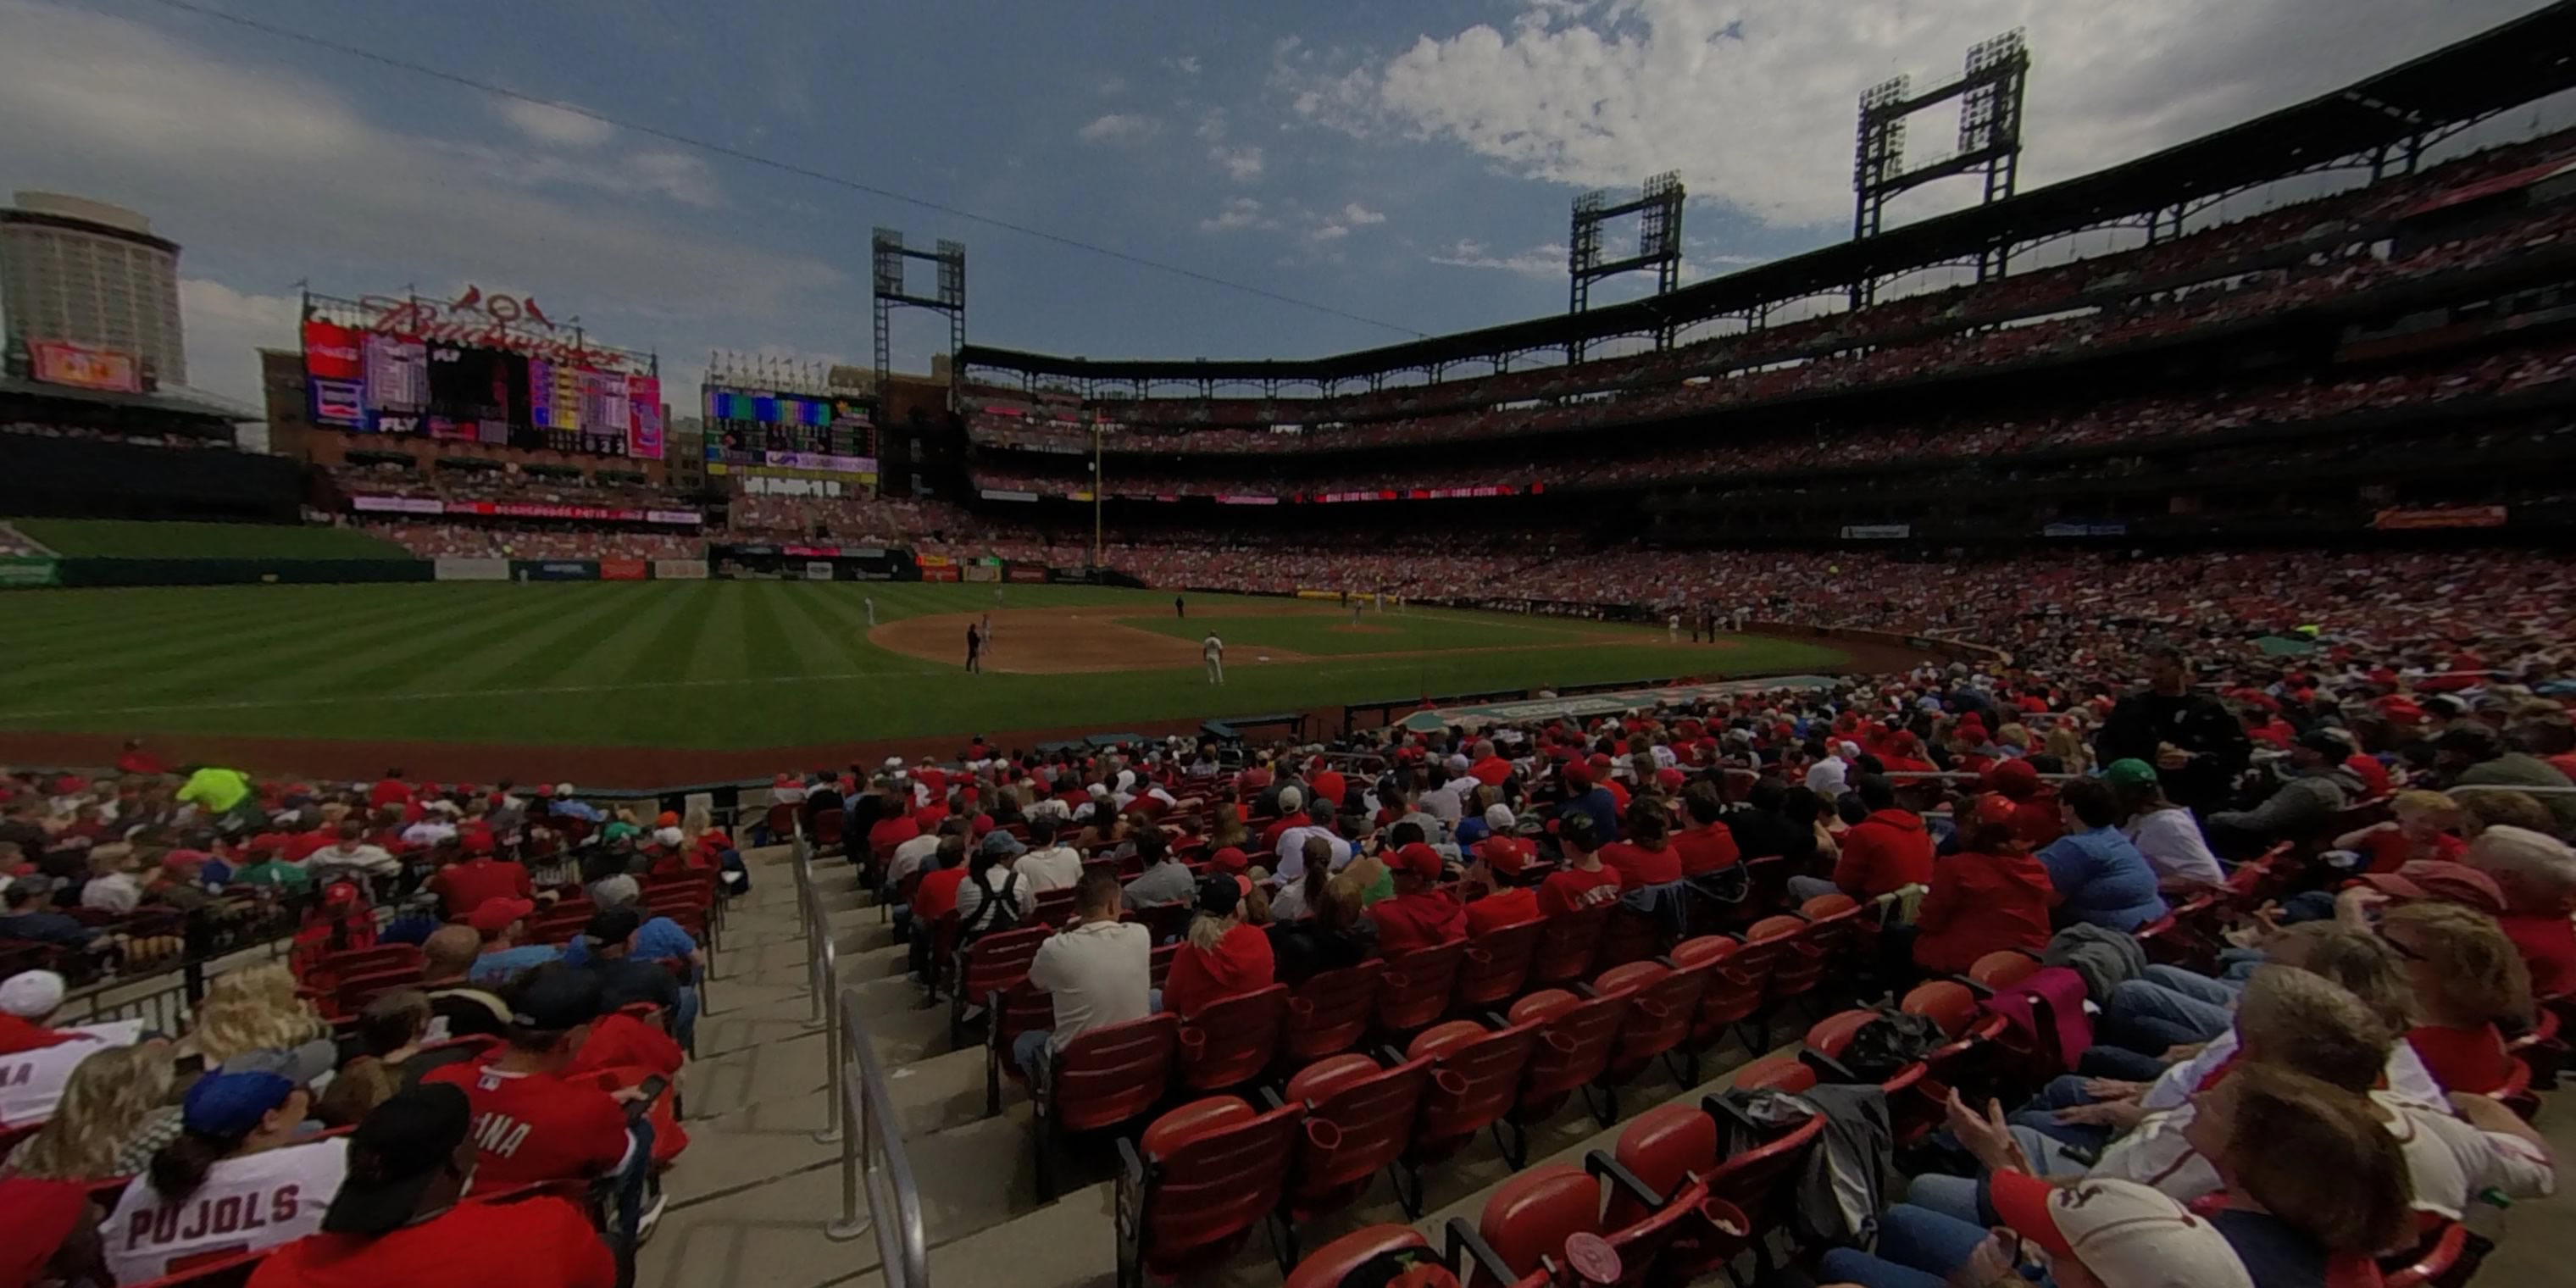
1886	1045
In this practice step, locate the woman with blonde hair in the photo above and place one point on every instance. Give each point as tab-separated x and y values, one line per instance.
1229	829
111	1118
253	1010
2468	979
1223	955
2066	742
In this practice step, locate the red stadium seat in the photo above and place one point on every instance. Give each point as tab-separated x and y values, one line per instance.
1567	946
1416	987
1359	1121
1497	965
1573	1052
1776	1073
1024	1008
1198	1180
1476	1080
987	968
1529	1223
1670	1143
1233	1041
1966	1060
1329	1014
1099	1080
1328	1266
2003	968
1663	1008
1836	928
1737	981
827	830
1627	936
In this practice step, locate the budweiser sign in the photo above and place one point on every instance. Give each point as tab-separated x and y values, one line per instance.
494	321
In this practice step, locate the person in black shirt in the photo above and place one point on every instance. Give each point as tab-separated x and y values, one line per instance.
2197	747
623	981
823	793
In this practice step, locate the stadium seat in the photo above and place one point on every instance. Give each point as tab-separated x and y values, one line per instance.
1497	965
988	967
1477	1075
1626	936
827	830
1328	1266
1737	981
1329	1014
2002	969
1965	1060
1104	1078
1663	1007
1232	1041
2432	1261
1538	1222
1416	987
1359	1120
1197	1181
1567	947
1670	1143
1576	1041
1914	1104
1024	1008
1797	966
1837	930
1784	1072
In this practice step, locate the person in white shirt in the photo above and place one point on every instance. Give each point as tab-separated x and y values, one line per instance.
111	886
913	854
351	851
2164	832
1099	973
1047	865
1292	851
436	827
32	1081
233	1181
1214	649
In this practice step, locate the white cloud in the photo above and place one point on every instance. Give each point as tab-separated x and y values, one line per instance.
1239	212
1546	260
226	328
1187	65
1358	215
1243	164
1120	127
251	161
1329	232
1753	100
554	125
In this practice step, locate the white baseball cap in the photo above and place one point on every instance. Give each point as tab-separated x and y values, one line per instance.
2128	1235
31	994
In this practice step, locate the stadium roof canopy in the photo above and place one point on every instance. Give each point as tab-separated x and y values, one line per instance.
2504	67
169	400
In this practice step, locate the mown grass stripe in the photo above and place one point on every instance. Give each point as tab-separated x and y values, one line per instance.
367	660
243	648
489	648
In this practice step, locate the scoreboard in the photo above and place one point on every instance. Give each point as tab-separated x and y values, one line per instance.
746	426
381	382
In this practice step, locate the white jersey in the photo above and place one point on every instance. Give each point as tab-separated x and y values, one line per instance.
31	1082
1213	647
258	1201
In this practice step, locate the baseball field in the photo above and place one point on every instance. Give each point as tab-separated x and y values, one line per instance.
689	680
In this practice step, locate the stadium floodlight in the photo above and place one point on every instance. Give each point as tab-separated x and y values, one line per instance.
890	259
1658	207
1989	92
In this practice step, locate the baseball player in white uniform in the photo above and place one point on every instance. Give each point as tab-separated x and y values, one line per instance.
1214	649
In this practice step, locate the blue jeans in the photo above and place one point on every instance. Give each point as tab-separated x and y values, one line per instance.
1031	1051
2120	1063
2151	1014
631	1182
684	1017
1917	1248
2062	1092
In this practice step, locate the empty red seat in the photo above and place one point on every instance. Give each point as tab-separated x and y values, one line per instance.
1476	1080
1670	1143
2003	968
1359	1120
1914	1107
1627	936
1327	1266
1497	965
987	968
1835	926
1232	1041
1024	1008
1528	1224
1797	966
1329	1014
1567	946
1415	989
827	829
1574	1048
1777	1073
1663	1005
1101	1079
1198	1180
1733	991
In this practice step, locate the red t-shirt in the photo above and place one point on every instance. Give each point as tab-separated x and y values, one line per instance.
1425	920
2548	944
1330	786
1706	849
891	832
2388	850
464	887
1567	889
2471	1060
1270	835
389	791
1502	908
1491	771
534	1127
1240	963
303	845
540	1242
1639	866
937	895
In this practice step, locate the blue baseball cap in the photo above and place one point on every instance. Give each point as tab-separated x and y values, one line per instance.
232	1104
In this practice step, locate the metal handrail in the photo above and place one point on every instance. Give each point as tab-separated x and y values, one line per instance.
872	1151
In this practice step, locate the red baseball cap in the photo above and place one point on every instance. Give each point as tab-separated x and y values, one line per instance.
1229	859
492	916
1995	809
1420	860
2442	881
1508	855
1671	779
1578	774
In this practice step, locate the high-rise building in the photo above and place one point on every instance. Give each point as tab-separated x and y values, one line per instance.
91	273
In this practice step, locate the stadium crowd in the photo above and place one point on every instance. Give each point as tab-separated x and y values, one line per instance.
501	539
480	993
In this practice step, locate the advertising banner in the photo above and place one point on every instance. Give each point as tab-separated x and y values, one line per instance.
932	561
556	569
818	570
397	504
679	570
1025	573
60	362
1004	494
644	424
1877	531
982	572
939	572
821	461
28	570
2085	530
2456	516
331	351
457	569
624	570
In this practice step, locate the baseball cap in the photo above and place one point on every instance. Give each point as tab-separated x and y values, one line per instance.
1578	774
32	994
302	1065
2129	773
612	925
2128	1235
2442	881
394	1154
1229	859
1995	809
1004	845
1420	860
1508	855
226	1104
2326	742
1221	894
555	998
2014	777
494	915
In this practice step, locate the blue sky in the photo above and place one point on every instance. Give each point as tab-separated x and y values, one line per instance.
1410	163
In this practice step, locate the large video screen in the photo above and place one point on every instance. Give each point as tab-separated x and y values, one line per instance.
376	382
744	426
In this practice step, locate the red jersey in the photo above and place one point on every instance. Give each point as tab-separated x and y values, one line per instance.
389	791
1491	771
1639	866
937	895
1706	849
532	1127
891	832
1567	889
464	887
1502	908
1978	904
541	1242
1425	920
303	845
2548	944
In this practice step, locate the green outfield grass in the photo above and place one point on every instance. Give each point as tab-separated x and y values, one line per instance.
716	665
120	539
